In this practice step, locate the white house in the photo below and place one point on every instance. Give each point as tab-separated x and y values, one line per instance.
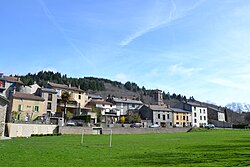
109	113
125	105
199	113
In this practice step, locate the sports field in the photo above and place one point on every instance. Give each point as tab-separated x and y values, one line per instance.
199	148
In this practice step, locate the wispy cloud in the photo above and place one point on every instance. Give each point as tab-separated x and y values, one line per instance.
52	18
159	21
181	70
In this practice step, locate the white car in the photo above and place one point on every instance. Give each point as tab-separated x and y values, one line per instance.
154	126
209	126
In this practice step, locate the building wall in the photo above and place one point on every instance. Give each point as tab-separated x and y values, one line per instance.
28	106
163	118
80	97
25	130
221	116
182	119
146	113
125	107
52	101
199	116
3	110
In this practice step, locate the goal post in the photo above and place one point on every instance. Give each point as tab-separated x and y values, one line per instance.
96	136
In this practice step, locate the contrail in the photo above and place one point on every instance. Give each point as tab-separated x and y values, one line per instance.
53	20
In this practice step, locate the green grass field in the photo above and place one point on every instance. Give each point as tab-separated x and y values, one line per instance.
199	148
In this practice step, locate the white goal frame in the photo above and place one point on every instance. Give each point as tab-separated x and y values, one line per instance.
84	132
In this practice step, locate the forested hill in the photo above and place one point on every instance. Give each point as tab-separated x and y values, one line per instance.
99	86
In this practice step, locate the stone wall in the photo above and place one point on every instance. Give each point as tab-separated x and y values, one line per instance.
80	130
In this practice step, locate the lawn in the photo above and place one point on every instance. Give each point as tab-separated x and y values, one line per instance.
199	148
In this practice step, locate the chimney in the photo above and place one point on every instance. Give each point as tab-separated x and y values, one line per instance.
79	87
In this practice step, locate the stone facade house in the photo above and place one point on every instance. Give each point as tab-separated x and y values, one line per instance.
158	114
3	109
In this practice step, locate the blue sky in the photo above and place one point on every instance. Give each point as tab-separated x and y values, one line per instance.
197	48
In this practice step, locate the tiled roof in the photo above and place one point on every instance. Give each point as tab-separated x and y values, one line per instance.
100	102
2	98
196	104
48	90
180	110
130	101
95	96
65	87
159	108
27	96
13	79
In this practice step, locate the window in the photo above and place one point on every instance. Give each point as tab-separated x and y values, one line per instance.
194	108
164	118
204	111
200	110
187	118
28	106
195	121
133	105
2	84
20	107
168	116
156	123
177	117
50	97
79	97
159	116
205	118
194	114
200	117
36	108
184	118
49	105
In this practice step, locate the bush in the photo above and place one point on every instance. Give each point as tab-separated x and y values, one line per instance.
239	126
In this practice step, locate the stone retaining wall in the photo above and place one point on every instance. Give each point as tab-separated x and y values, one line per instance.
79	130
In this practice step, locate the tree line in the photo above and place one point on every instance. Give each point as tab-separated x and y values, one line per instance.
91	83
86	83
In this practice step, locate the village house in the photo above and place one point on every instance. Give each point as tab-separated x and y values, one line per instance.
77	101
199	113
158	114
125	105
50	97
108	112
9	85
26	107
181	118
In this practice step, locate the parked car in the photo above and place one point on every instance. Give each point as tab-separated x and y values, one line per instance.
135	125
71	123
154	126
209	126
178	126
